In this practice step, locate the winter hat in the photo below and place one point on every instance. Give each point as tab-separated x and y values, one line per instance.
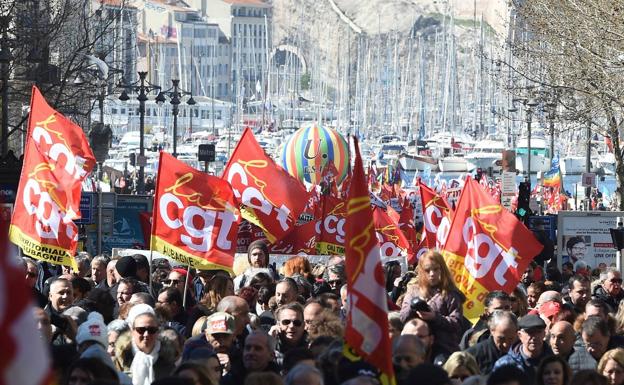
78	314
138	310
258	244
126	266
93	329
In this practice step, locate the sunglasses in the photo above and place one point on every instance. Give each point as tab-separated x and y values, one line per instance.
31	275
171	281
295	322
616	280
150	330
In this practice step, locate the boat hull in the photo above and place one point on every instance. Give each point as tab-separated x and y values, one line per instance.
453	164
484	162
538	163
411	162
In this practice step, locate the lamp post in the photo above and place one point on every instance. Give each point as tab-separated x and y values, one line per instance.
531	104
142	87
174	93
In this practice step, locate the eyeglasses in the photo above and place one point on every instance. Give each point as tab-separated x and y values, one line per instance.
171	281
616	280
579	248
334	282
31	275
149	329
295	322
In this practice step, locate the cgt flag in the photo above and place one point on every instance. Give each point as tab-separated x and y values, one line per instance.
366	332
437	216
56	161
195	220
392	241
487	249
271	198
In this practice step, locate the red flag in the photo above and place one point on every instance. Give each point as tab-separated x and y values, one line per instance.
56	161
271	198
437	216
24	356
366	331
195	217
407	226
392	241
487	247
330	226
301	240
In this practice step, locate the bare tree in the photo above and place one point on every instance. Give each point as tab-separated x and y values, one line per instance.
51	43
574	49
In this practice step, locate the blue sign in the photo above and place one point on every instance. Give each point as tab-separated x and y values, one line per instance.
546	223
87	207
122	226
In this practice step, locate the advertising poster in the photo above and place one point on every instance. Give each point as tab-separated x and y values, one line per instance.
121	225
584	238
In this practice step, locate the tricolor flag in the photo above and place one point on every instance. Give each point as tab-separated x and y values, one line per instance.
366	332
57	159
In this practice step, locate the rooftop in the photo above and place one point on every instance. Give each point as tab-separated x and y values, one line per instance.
247	2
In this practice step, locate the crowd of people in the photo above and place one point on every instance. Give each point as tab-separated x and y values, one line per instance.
124	321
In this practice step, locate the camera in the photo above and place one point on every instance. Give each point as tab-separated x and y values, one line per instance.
419	304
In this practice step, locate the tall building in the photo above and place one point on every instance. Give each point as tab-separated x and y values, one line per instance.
247	26
116	28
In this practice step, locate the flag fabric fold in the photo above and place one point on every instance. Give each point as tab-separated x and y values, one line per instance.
487	248
366	332
57	159
270	197
195	217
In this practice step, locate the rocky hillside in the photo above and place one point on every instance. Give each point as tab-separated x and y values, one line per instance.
326	30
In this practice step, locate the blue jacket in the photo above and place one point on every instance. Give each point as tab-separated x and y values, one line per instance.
517	358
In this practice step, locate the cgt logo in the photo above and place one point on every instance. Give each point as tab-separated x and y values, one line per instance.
332	225
436	222
202	229
484	254
253	198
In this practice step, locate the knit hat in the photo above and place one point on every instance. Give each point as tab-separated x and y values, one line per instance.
93	329
78	314
126	266
258	244
138	310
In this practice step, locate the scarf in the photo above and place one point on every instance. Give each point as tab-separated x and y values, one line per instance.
142	367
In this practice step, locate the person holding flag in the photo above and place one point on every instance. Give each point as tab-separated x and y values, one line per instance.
433	297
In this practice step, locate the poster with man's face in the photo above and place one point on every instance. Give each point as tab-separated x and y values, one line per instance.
584	239
576	248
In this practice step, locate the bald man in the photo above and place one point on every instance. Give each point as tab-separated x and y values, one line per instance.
422	330
407	353
561	340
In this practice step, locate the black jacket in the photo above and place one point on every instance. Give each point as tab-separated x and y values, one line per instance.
238	373
486	354
613	302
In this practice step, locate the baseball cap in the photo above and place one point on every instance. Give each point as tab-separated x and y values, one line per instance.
550	309
220	322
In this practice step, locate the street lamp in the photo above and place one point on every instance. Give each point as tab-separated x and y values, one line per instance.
141	87
174	93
